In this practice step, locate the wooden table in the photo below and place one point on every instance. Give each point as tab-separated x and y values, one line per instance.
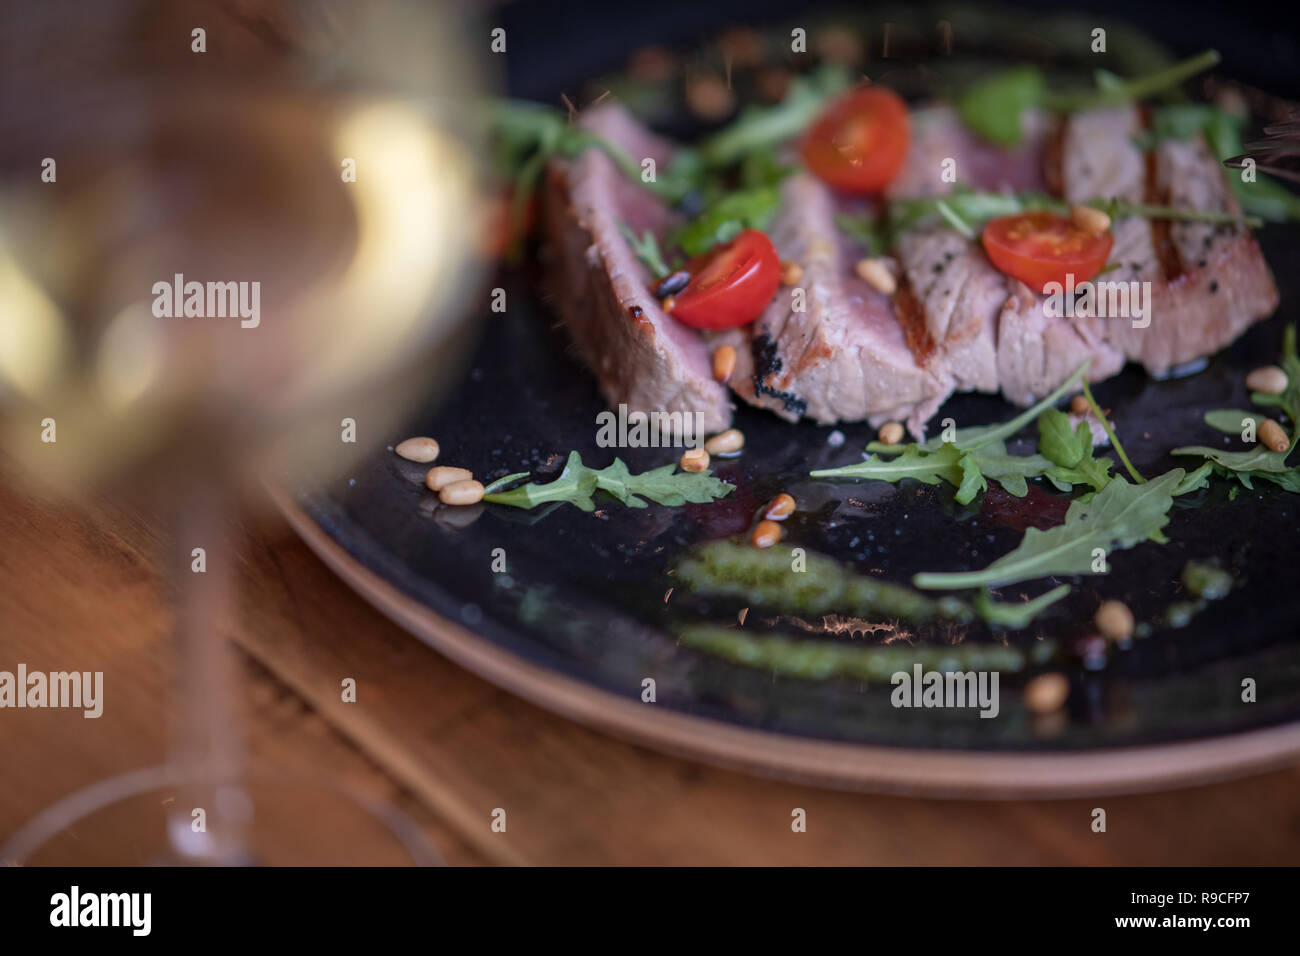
81	590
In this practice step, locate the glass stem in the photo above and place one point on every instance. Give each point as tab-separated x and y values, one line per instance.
207	823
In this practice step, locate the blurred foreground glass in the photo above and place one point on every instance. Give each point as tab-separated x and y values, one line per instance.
225	228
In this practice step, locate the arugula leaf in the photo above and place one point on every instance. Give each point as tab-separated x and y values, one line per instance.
646	248
1071	452
1119	516
1114	91
577	483
913	461
529	134
1229	420
727	218
972	209
864	230
1010	471
1260	461
762	127
1110	433
992	107
976	455
967	471
972	439
1016	615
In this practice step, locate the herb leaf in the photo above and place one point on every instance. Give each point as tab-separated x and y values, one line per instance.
759	127
1119	516
1016	614
1260	461
727	218
577	483
992	107
646	248
976	455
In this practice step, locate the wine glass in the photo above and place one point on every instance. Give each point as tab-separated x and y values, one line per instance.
226	232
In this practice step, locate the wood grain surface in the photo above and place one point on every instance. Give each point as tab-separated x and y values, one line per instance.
81	589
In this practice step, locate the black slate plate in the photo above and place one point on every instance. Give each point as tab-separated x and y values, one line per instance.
581	613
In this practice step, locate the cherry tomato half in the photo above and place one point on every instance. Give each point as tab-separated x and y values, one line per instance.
731	284
1042	247
859	142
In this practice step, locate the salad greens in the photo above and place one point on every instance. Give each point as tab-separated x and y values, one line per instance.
727	218
1260	461
993	107
760	128
577	484
971	458
1119	516
1264	199
646	248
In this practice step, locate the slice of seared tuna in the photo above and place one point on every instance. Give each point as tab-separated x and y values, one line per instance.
1209	282
641	357
938	135
955	294
830	348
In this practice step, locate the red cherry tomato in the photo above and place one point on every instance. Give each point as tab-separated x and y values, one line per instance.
731	284
859	142
1042	247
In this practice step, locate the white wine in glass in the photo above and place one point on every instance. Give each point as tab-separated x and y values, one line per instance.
224	227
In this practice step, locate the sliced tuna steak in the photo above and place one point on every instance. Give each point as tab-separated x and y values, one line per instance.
641	357
938	134
839	354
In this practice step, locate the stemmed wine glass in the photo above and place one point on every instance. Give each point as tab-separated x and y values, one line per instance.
224	230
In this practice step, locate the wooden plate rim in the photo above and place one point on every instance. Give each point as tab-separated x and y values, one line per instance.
933	773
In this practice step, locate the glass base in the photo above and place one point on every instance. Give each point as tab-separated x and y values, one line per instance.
135	820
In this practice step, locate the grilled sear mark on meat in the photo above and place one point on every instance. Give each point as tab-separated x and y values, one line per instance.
842	357
959	294
640	356
1209	282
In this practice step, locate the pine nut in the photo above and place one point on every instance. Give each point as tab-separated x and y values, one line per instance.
442	476
726	443
876	274
422	450
724	363
695	459
1092	221
891	433
1114	621
766	534
1269	379
791	273
779	508
1047	693
1079	405
1272	435
464	492
708	97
